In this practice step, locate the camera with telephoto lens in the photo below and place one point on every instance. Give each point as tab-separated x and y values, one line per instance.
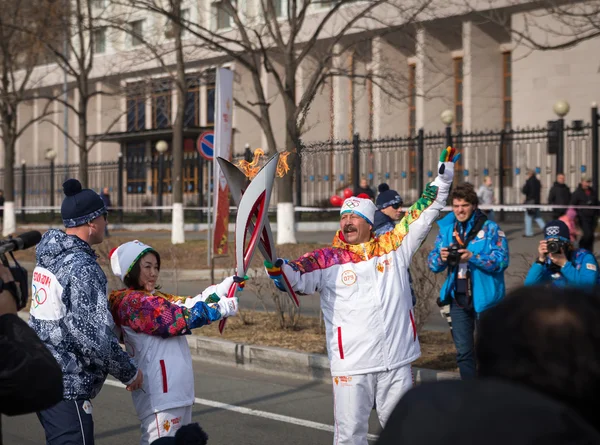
453	255
555	246
8	246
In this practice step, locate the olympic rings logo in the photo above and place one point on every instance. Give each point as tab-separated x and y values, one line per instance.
351	204
553	230
39	296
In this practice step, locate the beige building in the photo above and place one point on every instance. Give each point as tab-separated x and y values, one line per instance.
457	60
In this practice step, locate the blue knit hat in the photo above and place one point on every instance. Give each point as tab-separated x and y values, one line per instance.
387	197
80	206
557	229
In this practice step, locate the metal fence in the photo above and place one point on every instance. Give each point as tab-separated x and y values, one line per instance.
326	168
406	164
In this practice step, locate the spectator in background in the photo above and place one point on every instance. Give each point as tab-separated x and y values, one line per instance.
570	219
364	188
532	191
548	340
586	196
105	195
559	195
486	196
2	205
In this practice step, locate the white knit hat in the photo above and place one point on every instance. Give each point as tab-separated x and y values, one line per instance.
360	206
123	258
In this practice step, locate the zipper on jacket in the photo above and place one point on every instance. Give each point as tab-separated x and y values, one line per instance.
163	370
340	347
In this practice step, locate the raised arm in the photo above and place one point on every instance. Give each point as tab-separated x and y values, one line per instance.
412	230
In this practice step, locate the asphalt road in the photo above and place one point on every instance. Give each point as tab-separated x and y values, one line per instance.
233	406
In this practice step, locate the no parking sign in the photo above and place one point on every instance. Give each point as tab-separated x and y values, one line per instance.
206	145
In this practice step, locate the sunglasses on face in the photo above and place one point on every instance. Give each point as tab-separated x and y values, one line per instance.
105	215
397	205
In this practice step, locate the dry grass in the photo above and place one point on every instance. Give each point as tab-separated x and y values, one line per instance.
264	329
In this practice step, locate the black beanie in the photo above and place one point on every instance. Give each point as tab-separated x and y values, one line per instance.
387	197
557	229
80	206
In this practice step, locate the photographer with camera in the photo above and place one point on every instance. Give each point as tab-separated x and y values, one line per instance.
474	251
559	263
23	358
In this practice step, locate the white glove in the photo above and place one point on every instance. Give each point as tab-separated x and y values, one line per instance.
228	307
448	158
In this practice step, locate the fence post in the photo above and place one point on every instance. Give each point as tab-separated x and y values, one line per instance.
356	161
298	180
160	184
120	186
595	145
501	171
52	197
420	160
23	189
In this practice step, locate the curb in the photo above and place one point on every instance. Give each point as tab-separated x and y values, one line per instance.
276	361
279	361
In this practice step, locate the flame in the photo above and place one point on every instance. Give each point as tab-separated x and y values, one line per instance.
251	169
282	165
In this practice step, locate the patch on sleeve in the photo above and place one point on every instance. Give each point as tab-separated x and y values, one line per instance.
480	234
501	233
591	266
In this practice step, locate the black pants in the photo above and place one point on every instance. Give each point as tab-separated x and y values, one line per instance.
588	225
68	422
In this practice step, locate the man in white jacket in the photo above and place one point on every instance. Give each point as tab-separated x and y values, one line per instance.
367	305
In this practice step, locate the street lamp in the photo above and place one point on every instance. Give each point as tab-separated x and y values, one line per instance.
561	108
50	155
161	148
447	117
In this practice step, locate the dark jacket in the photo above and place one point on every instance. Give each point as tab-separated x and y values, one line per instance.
532	190
106	199
30	378
367	191
559	194
582	197
483	411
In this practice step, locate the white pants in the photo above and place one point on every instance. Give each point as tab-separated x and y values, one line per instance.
353	398
165	423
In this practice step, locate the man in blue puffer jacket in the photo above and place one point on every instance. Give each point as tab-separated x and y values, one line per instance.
69	312
474	251
559	264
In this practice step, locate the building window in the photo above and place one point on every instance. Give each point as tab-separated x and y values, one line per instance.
507	116
135	165
412	124
223	11
210	97
278	7
192	104
136	107
458	95
412	99
162	93
100	40
506	91
136	33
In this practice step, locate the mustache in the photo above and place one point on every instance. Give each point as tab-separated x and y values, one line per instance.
350	228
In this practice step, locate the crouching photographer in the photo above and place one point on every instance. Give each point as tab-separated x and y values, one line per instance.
559	263
474	251
30	378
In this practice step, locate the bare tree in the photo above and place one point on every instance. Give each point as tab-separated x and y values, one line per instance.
20	53
277	42
549	24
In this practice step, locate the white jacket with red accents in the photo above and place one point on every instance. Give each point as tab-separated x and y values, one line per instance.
365	293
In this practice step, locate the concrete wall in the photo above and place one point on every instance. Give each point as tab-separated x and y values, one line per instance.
248	129
319	120
541	78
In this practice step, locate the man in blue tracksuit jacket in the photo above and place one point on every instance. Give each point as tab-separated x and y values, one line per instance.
567	267
475	273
